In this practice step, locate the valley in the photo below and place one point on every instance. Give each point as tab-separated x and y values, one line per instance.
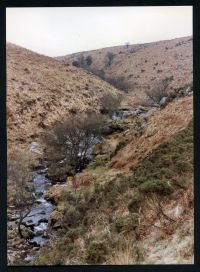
123	192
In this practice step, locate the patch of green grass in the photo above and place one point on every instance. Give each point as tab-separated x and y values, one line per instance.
173	158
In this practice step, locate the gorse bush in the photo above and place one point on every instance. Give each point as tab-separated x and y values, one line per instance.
169	161
96	252
73	234
72	217
126	224
156	186
134	203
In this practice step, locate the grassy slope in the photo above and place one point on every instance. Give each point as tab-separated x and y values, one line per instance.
143	64
41	89
174	117
103	226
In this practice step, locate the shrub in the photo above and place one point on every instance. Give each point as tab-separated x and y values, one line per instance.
127	44
157	92
134	203
109	103
48	257
156	186
59	173
96	252
73	234
118	82
72	217
98	72
119	224
88	60
20	190
82	207
97	163
109	58
125	225
75	63
73	137
182	166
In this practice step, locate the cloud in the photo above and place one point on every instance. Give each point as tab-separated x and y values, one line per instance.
60	31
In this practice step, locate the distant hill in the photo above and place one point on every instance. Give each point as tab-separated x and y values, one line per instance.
139	66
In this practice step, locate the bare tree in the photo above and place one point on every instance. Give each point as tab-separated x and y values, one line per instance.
109	58
20	187
127	44
80	61
159	91
98	72
88	60
109	103
118	82
73	138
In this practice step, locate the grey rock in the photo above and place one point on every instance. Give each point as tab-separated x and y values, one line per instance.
187	90
163	101
39	230
142	108
27	232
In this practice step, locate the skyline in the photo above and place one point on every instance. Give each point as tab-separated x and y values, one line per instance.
83	29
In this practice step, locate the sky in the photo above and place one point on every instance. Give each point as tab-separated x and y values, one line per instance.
60	31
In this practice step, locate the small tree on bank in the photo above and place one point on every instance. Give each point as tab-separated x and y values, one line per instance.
20	188
73	138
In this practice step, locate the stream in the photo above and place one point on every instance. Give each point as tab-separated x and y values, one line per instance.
37	220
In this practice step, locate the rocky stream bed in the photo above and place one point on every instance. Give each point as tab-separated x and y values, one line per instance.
36	224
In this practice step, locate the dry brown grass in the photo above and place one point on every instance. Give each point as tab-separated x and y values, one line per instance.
84	179
141	67
41	90
161	126
167	234
124	254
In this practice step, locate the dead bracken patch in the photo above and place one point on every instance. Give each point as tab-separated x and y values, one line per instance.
161	126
